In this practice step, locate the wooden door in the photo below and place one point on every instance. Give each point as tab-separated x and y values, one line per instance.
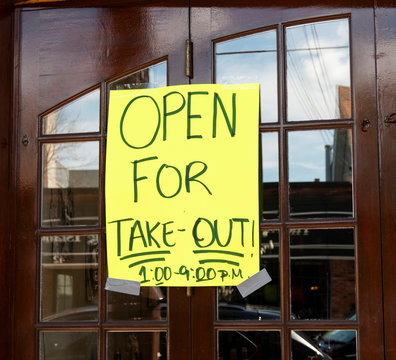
386	50
288	50
320	223
69	59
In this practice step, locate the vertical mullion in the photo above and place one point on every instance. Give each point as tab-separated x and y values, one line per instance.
283	195
102	274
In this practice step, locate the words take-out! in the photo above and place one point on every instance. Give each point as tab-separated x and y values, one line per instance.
182	185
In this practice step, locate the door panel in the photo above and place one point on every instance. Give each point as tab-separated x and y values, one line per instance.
386	52
66	56
216	24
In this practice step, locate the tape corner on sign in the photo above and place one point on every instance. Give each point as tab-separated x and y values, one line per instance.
254	283
129	287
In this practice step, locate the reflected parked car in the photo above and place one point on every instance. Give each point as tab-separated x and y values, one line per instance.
247	345
340	344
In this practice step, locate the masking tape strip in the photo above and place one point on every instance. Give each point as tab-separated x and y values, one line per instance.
123	286
255	282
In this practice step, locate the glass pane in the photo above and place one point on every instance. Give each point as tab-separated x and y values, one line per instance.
338	344
149	305
69	278
81	115
151	77
264	41
137	345
320	173
62	345
318	71
251	59
252	345
322	268
70	184
264	303
270	161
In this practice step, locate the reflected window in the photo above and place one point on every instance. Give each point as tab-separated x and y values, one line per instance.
151	304
78	116
322	268
137	345
238	344
264	303
151	77
70	184
69	278
57	345
270	176
251	59
320	173
318	71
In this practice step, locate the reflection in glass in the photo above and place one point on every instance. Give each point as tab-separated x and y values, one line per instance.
338	344
78	116
152	77
136	345
270	161
149	305
320	173
318	71
251	59
322	268
69	278
264	303
255	345
70	184
60	345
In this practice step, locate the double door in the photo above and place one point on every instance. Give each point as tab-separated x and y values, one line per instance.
319	182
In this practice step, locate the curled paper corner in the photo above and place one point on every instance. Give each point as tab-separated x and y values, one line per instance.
123	286
254	283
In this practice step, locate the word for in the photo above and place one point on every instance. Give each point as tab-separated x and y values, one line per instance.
190	176
160	274
149	101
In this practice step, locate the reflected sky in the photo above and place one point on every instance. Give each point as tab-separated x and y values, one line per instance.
307	154
81	115
270	159
73	155
262	41
148	78
157	75
317	65
255	62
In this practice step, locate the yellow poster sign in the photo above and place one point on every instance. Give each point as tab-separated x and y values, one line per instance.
182	185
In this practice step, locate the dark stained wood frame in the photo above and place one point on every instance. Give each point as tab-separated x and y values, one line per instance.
386	90
6	174
203	318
